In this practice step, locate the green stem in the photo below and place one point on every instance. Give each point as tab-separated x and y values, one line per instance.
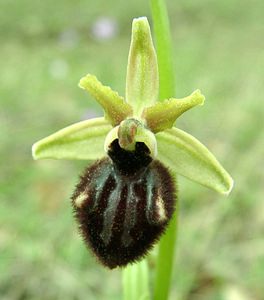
164	49
136	281
164	265
167	89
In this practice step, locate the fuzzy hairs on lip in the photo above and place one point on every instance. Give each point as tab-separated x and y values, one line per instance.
123	203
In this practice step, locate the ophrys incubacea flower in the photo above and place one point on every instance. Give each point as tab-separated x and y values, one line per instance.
125	199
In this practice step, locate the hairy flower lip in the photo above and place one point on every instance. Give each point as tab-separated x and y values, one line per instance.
122	213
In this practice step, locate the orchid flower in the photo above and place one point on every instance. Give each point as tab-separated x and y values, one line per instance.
134	130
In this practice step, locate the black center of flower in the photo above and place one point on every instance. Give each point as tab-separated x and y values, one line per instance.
129	162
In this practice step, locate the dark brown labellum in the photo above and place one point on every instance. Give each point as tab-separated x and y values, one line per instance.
123	204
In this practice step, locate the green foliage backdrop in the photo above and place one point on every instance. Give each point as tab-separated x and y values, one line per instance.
46	47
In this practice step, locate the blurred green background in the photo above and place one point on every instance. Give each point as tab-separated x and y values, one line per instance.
45	48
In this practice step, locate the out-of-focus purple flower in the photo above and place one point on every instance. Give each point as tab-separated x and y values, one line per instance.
104	28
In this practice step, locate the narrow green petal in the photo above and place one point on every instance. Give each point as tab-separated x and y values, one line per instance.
142	83
83	140
115	107
163	115
185	155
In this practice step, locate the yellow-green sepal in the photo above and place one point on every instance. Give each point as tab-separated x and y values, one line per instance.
83	140
186	156
163	115
115	107
142	82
